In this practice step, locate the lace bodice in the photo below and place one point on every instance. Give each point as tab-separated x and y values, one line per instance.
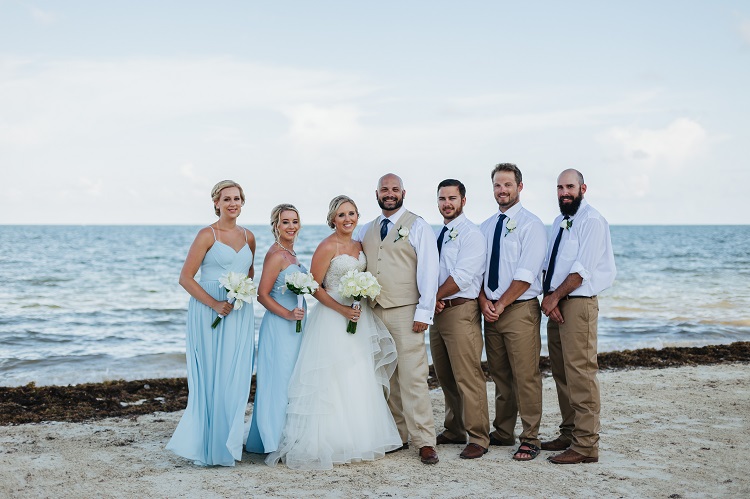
340	265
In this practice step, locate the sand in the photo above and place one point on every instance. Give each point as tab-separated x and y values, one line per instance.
674	432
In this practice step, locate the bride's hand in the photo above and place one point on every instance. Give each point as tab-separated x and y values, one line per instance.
352	314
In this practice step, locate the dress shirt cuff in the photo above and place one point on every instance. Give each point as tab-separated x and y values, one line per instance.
524	275
423	316
461	281
578	268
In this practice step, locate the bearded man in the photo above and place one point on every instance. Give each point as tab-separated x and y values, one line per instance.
456	334
580	265
402	254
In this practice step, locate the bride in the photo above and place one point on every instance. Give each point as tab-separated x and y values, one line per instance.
337	410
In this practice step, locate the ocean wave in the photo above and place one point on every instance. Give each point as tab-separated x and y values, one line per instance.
728	322
89	369
45	281
41	305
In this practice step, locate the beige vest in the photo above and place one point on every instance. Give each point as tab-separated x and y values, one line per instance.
393	263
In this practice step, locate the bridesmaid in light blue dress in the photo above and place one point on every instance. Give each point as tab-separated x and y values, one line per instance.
278	343
220	360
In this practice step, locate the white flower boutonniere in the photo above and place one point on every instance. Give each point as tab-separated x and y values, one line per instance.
402	233
453	234
566	224
510	226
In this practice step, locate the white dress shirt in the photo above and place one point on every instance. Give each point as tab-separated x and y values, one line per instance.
422	239
522	251
585	249
462	257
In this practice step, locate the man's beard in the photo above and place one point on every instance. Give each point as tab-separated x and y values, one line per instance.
399	204
572	208
456	213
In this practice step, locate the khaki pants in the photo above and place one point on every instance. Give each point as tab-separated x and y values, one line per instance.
410	395
513	344
456	346
572	355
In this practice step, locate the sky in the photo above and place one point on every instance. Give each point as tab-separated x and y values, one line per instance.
129	112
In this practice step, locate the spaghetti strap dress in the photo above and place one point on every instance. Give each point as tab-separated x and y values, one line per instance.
278	346
219	367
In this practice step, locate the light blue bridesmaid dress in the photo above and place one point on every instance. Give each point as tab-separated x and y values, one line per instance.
219	367
278	347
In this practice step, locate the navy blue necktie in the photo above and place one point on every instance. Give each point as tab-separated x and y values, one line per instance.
383	228
440	239
492	280
552	258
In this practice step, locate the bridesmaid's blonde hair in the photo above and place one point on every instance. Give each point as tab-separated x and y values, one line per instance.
335	204
276	217
216	192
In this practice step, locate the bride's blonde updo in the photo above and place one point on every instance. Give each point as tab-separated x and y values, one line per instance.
276	217
335	204
216	192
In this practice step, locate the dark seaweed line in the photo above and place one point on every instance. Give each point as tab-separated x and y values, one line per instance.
91	401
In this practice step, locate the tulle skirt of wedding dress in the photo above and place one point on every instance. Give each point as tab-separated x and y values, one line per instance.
337	410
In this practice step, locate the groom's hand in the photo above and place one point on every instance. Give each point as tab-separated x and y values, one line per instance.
419	327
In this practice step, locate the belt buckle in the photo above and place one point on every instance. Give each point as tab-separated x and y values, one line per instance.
450	302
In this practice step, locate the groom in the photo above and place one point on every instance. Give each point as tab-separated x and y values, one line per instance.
401	252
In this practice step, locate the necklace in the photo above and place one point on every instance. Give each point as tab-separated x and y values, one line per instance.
291	252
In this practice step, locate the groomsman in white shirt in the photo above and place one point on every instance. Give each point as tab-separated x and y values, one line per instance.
580	265
402	253
456	332
516	241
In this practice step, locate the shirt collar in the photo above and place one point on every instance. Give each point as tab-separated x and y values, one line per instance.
456	221
512	211
581	208
393	218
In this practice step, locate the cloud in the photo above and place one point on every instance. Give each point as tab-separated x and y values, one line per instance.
92	187
673	146
745	30
313	124
187	170
58	100
43	17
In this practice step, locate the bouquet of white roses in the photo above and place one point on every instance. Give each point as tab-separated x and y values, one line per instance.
300	284
357	285
241	290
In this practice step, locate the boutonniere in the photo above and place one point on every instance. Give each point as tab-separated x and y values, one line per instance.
453	234
566	224
510	226
402	233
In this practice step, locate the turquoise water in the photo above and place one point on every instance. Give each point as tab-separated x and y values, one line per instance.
90	303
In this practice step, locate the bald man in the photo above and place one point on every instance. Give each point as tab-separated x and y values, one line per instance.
580	264
401	252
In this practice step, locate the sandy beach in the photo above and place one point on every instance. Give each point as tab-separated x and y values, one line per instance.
673	432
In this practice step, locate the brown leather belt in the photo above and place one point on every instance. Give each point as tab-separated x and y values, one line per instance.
457	301
523	301
568	297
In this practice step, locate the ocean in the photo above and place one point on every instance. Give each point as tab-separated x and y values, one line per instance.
93	303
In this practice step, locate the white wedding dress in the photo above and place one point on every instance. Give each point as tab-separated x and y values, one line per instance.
337	410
